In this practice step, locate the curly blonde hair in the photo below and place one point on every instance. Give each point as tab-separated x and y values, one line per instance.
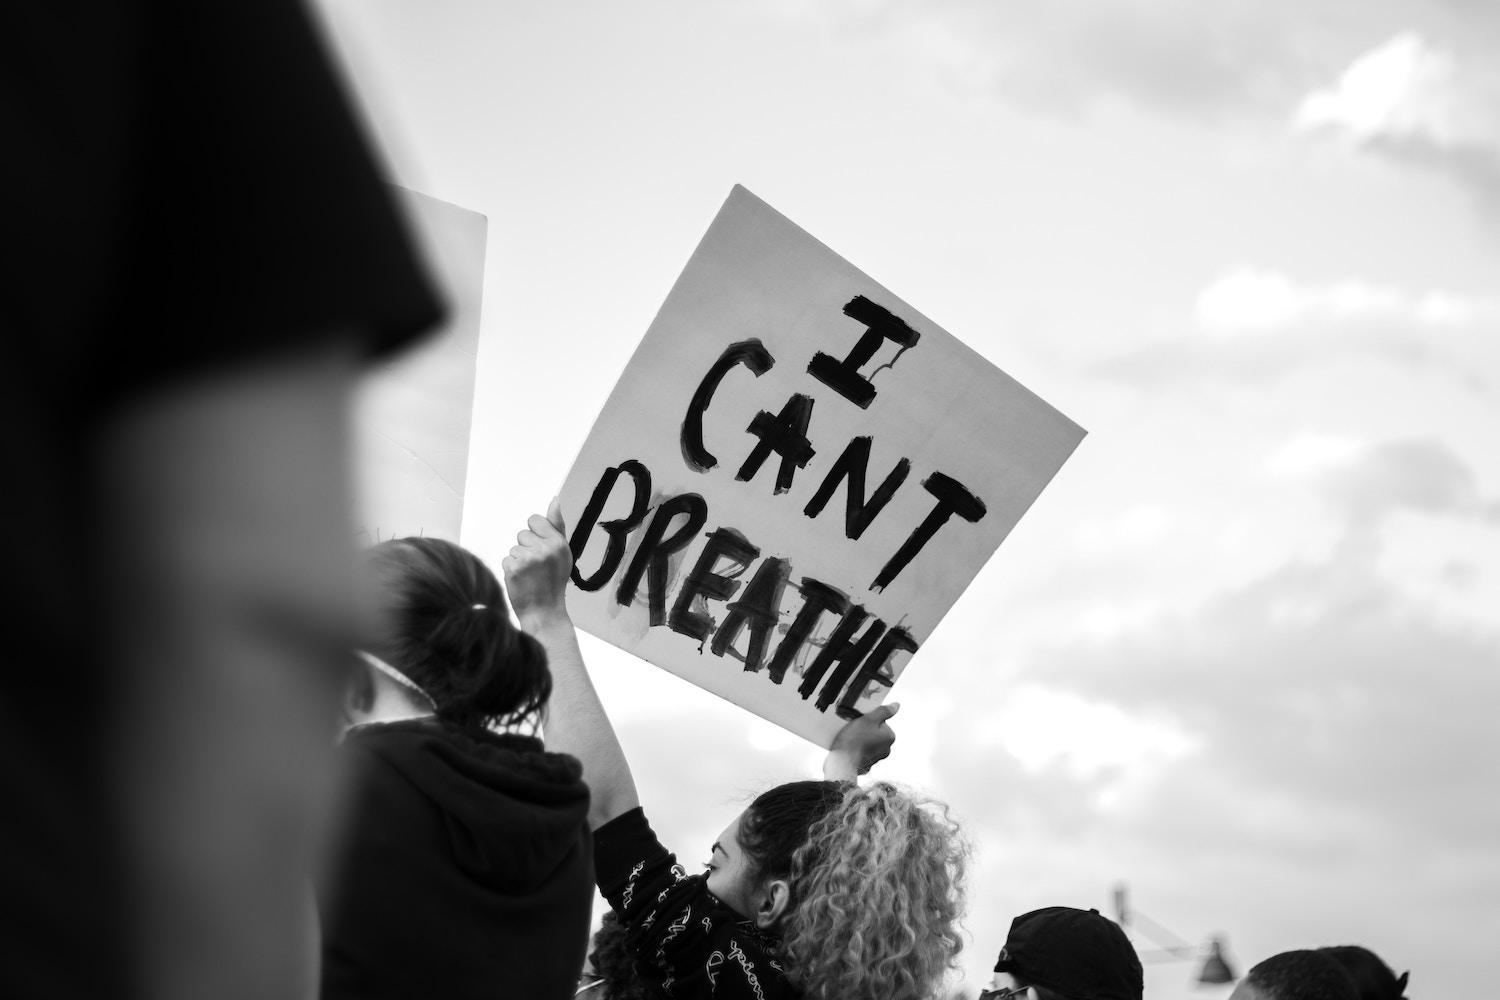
877	891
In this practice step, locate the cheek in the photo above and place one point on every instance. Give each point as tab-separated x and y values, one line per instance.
728	883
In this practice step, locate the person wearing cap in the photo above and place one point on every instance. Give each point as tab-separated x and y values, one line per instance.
1061	953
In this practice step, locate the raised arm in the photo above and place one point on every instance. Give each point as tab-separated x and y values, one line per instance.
536	576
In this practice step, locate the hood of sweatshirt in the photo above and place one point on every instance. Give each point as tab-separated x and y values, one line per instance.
504	811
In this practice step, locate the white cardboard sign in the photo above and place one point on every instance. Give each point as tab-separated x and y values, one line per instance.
795	478
412	415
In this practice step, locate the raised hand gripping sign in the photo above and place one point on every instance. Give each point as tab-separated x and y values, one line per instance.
795	478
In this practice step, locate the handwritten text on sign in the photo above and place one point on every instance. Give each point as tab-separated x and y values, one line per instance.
795	478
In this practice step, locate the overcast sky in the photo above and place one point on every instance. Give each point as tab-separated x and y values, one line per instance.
1244	652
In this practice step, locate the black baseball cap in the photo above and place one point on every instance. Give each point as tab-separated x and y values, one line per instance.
1077	953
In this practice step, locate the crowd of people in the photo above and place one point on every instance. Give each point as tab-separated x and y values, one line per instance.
211	256
468	865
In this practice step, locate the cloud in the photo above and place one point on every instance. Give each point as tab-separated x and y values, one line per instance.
1312	453
1181	58
1416	475
1252	300
1416	517
1063	56
1400	89
1176	55
1330	755
1410	102
1317	638
1309	682
1041	727
1254	324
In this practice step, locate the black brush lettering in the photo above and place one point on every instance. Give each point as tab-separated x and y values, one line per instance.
750	353
873	670
952	498
817	598
617	529
704	581
758	609
845	651
852	465
843	376
657	547
786	435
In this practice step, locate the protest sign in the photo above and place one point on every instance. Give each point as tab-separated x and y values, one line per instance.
795	478
412	415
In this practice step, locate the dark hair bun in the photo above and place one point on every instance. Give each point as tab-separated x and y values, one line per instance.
447	629
509	680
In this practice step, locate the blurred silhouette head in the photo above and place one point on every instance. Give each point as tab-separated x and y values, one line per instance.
1296	975
1374	979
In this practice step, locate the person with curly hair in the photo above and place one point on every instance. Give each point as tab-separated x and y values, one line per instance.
820	889
465	869
611	971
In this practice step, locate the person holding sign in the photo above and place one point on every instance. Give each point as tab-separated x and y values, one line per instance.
465	871
820	889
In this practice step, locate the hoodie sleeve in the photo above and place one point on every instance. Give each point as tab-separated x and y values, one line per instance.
636	873
684	939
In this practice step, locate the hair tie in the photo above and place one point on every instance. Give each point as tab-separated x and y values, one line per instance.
394	674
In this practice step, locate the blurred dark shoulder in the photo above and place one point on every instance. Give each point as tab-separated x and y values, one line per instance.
188	186
187	190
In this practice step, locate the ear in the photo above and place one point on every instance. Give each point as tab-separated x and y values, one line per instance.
775	896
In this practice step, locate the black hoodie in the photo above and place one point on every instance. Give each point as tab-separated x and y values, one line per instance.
467	868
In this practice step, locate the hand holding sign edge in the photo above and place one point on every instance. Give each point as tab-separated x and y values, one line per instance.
536	570
861	744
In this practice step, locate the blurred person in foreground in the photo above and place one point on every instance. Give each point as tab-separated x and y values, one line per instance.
200	257
1062	953
464	869
819	889
1375	979
1297	975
